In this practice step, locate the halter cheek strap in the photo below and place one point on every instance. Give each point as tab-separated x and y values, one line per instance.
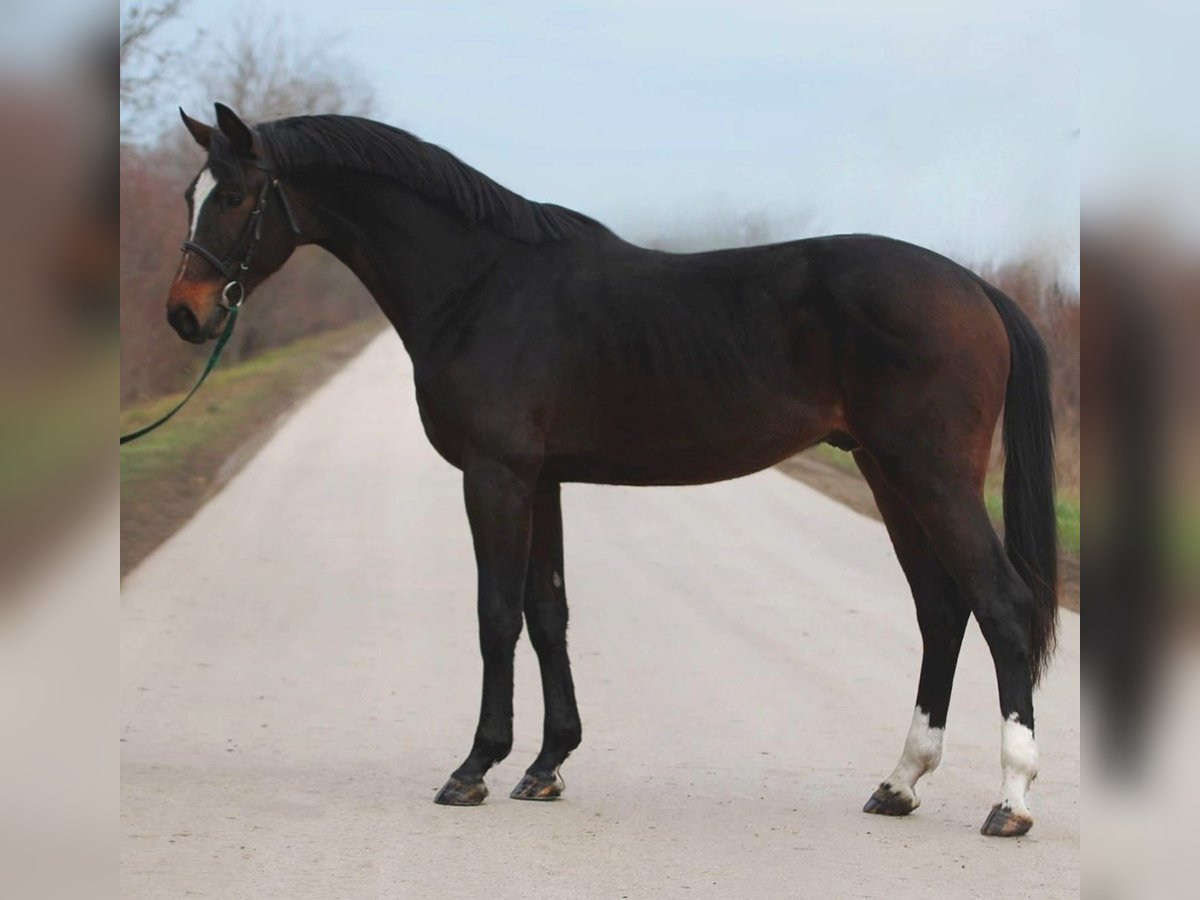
233	271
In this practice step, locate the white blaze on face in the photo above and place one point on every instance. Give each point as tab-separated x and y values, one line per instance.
1019	763
922	754
204	186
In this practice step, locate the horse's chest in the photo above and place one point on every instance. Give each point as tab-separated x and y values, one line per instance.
483	414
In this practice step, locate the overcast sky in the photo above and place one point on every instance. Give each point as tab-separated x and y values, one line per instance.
952	124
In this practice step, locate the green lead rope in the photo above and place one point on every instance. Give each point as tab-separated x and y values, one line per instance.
212	364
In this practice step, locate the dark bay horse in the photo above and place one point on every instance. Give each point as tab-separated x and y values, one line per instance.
546	350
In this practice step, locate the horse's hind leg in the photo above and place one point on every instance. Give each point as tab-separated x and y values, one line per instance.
942	615
546	617
947	499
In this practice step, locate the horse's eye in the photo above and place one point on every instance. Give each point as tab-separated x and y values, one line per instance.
233	201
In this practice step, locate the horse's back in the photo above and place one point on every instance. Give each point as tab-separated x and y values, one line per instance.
681	368
617	364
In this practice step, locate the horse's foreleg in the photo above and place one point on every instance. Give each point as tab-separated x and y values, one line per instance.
499	505
546	615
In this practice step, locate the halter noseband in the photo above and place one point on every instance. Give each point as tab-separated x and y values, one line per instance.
235	272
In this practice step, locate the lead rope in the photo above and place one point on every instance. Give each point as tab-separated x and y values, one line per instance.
212	364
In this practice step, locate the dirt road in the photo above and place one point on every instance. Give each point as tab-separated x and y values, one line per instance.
300	673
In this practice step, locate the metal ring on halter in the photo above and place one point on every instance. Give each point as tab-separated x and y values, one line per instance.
227	303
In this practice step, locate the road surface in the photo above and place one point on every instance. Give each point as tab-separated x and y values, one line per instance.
300	673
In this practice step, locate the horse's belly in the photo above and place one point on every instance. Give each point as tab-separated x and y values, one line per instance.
649	443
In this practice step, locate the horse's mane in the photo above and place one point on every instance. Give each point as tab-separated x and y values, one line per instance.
305	144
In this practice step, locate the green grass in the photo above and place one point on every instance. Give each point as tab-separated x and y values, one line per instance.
1183	543
1066	508
834	456
232	396
167	474
54	425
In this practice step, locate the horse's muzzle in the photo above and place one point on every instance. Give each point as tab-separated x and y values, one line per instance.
185	323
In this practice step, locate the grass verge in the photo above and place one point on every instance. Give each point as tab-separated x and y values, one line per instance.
167	475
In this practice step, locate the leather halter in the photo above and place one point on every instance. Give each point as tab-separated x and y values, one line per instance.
233	269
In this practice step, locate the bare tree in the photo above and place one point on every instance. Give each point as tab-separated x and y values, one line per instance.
148	61
265	71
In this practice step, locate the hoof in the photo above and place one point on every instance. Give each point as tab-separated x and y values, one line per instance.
535	786
461	793
1003	822
887	801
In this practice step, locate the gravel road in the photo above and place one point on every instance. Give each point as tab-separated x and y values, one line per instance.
300	673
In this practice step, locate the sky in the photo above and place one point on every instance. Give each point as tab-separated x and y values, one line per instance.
951	124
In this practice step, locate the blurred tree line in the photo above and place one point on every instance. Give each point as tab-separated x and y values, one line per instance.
264	70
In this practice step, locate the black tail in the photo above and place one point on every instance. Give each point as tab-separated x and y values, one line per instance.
1030	523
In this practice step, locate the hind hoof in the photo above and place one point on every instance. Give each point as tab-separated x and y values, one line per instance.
1003	822
887	801
538	786
456	792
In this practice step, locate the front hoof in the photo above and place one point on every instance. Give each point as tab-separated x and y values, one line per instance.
538	786
887	801
456	792
1003	822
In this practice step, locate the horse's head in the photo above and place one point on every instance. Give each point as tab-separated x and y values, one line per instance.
241	229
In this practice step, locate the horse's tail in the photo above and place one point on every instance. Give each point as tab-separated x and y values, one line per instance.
1030	523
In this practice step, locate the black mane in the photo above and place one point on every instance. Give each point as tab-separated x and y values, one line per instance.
314	143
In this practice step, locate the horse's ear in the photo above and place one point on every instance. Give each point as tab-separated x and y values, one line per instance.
235	129
201	133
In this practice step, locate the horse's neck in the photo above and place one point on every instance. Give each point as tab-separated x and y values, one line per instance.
411	255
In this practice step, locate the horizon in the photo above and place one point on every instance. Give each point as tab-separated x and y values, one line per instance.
956	129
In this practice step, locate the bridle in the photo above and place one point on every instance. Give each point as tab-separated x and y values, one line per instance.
233	269
235	273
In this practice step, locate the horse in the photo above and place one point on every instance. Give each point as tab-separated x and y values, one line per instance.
546	349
